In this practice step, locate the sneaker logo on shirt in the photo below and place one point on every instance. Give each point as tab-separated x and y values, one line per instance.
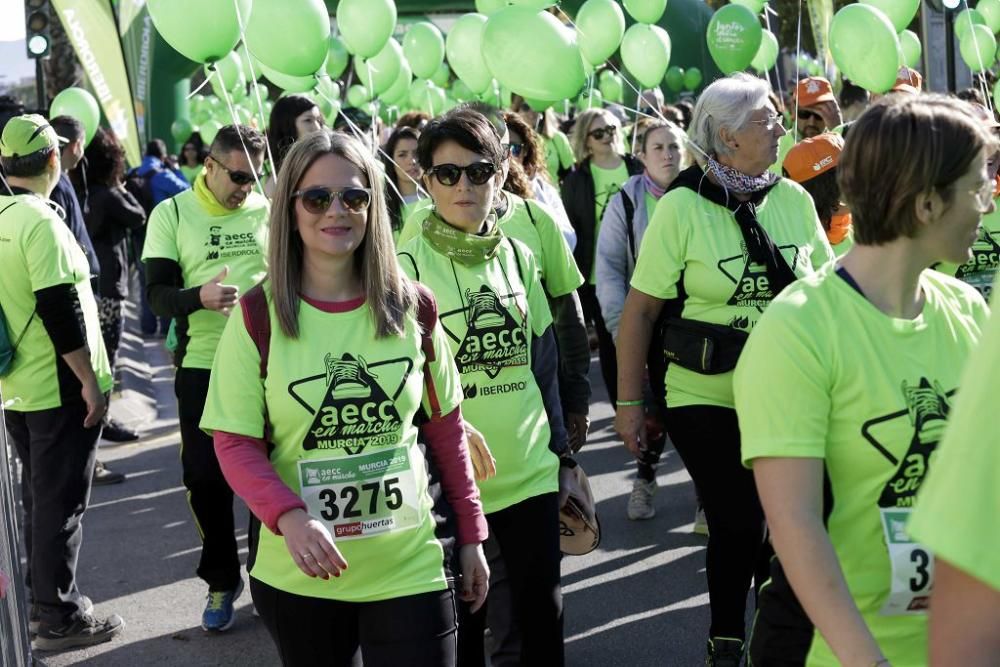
493	339
753	286
981	270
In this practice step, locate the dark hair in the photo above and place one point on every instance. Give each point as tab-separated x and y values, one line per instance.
105	159
469	129
940	137
852	94
359	117
10	106
686	110
157	148
533	155
67	127
392	198
234	137
517	181
27	166
281	132
825	192
971	95
488	111
195	142
414	119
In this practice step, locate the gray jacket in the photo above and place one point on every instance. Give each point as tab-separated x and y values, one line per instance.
615	261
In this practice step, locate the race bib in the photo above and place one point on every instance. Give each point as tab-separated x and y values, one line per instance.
912	567
363	495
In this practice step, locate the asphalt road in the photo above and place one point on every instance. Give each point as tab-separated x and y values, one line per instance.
639	600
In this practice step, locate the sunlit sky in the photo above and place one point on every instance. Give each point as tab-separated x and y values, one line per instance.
11	20
14	62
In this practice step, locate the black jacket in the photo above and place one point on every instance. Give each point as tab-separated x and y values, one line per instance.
112	212
578	198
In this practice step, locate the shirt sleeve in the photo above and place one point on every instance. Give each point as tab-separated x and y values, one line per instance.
781	386
49	254
235	401
161	233
663	249
562	275
612	263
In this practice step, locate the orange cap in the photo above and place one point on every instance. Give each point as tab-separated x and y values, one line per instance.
908	81
813	90
811	157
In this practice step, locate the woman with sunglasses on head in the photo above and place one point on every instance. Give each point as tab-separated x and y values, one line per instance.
292	117
325	374
841	423
724	240
402	176
600	172
493	310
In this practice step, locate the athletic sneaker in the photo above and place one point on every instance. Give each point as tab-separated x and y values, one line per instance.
700	522
35	619
86	630
219	614
115	431
724	652
103	475
640	501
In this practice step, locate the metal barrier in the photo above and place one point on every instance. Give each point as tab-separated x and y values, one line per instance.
15	645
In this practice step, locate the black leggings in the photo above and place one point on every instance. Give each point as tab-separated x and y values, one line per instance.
416	630
528	536
605	342
708	441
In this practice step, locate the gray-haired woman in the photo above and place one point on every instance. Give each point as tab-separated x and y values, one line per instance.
724	240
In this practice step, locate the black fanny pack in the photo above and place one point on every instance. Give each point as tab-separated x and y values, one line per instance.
709	349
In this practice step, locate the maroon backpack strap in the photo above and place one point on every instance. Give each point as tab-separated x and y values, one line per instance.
257	320
427	318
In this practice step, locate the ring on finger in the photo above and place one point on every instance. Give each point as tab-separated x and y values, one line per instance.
306	555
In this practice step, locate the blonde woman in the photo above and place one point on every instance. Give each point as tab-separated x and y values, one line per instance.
323	375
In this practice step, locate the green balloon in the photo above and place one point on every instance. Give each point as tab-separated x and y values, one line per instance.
990	9
196	103
461	92
979	48
734	35
539	105
291	84
516	40
865	47
209	129
612	88
534	4
399	91
289	36
201	117
337	58
646	11
675	79
425	95
424	49
996	95
590	99
965	20
327	88
756	6
899	12
384	68
81	105
646	53
487	7
357	95
692	79
181	129
228	73
910	44
366	25
250	65
465	52
200	30
767	54
600	26
442	76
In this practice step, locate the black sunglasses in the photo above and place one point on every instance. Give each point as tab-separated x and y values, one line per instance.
599	133
516	149
319	199
236	176
805	114
477	172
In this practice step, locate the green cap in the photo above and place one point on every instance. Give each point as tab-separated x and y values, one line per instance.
24	135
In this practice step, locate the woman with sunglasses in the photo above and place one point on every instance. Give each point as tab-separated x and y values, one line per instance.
323	376
841	423
724	240
402	175
494	312
600	172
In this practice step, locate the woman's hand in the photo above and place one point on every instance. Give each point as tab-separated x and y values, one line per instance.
310	544
475	575
630	424
483	463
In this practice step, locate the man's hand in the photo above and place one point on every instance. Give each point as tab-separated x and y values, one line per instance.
830	111
97	404
577	427
630	424
218	297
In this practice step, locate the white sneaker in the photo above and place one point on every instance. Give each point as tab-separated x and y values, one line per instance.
640	501
700	522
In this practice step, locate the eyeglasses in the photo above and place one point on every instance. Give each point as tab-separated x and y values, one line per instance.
319	199
599	133
477	172
238	177
984	196
805	114
770	122
516	149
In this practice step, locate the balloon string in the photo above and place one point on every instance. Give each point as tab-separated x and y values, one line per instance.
777	73
256	90
236	122
798	57
204	83
982	67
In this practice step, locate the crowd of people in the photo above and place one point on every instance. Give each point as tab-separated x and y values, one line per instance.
383	337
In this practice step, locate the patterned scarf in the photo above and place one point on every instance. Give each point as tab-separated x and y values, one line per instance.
738	182
464	248
651	186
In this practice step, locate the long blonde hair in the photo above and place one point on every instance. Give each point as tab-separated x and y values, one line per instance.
581	130
390	295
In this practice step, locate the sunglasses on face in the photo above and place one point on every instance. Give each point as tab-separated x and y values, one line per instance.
805	114
516	149
319	199
236	176
601	132
449	174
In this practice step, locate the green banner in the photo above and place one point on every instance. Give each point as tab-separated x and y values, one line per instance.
92	29
820	17
135	27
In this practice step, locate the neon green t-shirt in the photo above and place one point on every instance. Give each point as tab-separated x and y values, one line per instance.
981	270
558	154
181	230
607	182
651	203
785	144
537	230
826	375
341	404
37	250
489	313
958	505
191	173
841	248
692	235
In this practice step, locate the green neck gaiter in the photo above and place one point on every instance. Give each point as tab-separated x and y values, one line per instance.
464	248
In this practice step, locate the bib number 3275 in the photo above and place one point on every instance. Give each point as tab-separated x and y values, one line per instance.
912	567
361	496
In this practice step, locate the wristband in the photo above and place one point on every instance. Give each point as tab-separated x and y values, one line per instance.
629	404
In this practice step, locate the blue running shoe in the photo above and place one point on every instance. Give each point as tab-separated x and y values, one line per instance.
219	614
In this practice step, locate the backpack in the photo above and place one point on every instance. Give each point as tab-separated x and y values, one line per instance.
141	187
7	348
